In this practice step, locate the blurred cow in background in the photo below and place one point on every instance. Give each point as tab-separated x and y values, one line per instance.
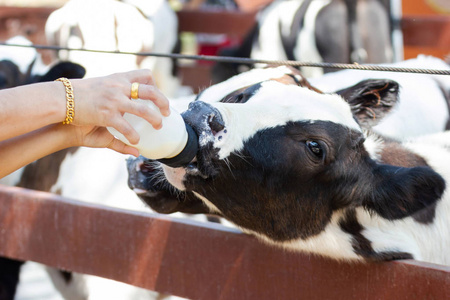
429	92
339	31
23	65
125	26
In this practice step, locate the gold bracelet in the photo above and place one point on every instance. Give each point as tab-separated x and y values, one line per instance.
70	103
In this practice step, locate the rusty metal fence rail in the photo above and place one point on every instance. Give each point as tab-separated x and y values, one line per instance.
191	259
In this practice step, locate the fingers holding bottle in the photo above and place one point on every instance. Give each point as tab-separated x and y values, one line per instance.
99	100
98	137
143	87
103	101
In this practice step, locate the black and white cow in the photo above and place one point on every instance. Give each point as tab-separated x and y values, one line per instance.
21	65
339	31
110	25
314	180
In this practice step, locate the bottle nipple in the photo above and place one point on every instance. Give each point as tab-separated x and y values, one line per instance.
187	154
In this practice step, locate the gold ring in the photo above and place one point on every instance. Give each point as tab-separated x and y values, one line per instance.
134	90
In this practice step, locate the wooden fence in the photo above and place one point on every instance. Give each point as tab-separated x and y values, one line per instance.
193	260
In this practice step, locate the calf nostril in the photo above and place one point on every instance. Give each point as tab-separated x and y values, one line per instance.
216	124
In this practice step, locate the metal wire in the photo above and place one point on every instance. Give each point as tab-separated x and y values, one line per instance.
249	61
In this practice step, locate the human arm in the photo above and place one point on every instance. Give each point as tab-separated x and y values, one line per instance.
31	116
24	149
100	101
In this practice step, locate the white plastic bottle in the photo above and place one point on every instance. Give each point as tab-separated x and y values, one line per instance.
175	144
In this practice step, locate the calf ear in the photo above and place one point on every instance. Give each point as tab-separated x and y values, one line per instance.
64	69
371	99
400	192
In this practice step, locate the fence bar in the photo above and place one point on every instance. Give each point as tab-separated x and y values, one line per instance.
192	259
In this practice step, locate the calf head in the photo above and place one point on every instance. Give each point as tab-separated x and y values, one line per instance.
279	160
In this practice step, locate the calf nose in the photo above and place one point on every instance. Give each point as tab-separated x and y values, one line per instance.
205	119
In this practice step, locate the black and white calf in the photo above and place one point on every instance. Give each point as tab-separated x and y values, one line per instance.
21	65
126	26
314	180
339	31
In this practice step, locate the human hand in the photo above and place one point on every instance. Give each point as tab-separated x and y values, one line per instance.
102	101
99	137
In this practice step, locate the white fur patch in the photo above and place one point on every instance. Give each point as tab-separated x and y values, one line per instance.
218	91
332	242
275	104
373	145
13	178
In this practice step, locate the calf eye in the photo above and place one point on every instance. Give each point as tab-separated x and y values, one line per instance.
315	148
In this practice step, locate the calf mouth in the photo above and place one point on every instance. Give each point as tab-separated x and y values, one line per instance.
146	176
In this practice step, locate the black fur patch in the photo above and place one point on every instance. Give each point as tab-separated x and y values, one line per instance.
10	75
63	69
395	154
67	276
9	277
241	95
401	192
